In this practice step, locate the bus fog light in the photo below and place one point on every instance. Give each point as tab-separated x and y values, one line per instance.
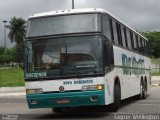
85	88
34	91
93	87
38	91
89	87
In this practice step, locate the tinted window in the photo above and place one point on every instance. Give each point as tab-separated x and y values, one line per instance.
147	48
115	32
129	39
132	42
111	28
108	53
135	43
119	33
63	25
143	49
125	35
64	56
141	45
106	27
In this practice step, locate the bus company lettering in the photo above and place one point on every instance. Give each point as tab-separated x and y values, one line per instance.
36	75
132	66
77	82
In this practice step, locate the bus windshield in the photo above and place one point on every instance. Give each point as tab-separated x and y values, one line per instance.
58	57
63	24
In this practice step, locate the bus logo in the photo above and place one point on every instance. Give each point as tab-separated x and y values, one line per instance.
61	89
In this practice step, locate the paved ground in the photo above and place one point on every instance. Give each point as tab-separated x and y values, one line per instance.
11	106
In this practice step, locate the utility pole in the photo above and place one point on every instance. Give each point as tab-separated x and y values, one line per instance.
5	45
72	4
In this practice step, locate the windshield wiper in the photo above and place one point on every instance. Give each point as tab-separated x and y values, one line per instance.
85	66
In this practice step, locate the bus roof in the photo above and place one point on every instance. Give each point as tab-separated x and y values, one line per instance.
76	11
69	11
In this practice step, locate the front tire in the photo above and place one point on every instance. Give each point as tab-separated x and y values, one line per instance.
117	98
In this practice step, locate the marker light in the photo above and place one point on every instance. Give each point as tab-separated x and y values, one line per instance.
99	87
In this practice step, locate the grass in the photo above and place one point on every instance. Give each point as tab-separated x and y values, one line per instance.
11	77
156	71
155	60
155	74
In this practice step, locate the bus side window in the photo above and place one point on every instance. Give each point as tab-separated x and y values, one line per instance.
144	42
106	27
137	48
135	43
111	29
125	35
132	41
119	34
147	49
129	39
108	54
141	45
115	32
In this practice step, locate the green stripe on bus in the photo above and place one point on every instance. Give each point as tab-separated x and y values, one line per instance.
119	66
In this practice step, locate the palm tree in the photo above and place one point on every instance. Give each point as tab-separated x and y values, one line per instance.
17	34
17	30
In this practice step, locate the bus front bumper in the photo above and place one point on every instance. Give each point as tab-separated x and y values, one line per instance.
66	99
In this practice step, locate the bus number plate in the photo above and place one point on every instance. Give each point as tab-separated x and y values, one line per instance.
63	101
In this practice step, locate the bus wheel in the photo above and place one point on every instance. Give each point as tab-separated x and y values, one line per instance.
117	98
57	110
143	90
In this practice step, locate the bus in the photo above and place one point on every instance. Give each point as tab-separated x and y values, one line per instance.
81	58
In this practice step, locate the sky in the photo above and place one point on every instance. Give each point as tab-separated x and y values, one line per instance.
141	15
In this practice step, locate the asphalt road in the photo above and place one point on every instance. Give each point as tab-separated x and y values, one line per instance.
16	108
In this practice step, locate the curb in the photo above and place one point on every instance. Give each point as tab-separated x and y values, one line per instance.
12	91
12	94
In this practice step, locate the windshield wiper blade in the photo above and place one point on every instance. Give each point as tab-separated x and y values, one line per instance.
85	66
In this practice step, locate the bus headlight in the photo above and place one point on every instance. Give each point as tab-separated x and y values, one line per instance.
92	87
34	91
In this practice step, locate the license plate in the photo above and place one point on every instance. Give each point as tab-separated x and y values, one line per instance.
63	101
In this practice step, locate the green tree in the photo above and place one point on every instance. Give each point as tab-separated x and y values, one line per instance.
8	56
17	34
2	50
154	42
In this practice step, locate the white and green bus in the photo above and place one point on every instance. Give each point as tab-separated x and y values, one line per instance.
83	57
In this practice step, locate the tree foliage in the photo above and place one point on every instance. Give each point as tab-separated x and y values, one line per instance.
17	34
17	30
8	56
154	42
